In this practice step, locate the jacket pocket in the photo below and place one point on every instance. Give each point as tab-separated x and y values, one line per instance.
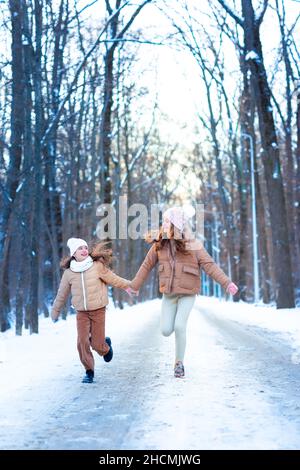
190	278
162	276
190	270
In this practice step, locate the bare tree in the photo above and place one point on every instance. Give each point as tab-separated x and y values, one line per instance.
15	154
192	34
115	36
250	23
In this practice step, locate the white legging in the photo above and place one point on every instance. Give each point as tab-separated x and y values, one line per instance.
175	310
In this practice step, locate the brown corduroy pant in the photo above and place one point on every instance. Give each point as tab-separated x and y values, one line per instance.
91	334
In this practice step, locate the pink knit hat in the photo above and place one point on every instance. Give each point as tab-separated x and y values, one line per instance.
179	216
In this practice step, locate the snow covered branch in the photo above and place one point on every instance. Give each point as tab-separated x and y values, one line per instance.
77	73
231	13
261	15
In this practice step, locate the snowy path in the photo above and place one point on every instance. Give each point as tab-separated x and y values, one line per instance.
241	390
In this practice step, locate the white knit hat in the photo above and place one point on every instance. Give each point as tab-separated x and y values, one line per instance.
74	243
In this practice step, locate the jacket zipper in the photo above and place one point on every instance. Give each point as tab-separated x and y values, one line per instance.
172	259
83	290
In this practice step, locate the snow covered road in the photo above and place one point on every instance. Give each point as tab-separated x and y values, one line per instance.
241	390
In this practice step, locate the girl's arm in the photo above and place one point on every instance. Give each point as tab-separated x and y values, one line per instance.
147	265
61	297
207	263
109	277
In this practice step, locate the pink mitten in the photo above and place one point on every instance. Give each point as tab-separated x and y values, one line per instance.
131	292
232	288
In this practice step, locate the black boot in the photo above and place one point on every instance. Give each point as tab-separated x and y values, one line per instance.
108	356
89	377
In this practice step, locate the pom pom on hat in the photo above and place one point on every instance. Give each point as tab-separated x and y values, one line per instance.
189	211
74	243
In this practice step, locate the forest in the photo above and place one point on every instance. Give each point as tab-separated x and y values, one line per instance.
156	102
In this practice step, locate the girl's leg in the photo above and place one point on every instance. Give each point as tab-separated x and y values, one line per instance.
185	305
168	313
98	331
83	340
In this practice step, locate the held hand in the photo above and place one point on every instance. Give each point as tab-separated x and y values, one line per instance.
232	288
131	292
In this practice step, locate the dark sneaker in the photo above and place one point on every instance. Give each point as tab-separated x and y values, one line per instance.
178	369
108	356
89	377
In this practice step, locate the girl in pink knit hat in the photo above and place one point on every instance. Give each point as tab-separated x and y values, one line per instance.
180	259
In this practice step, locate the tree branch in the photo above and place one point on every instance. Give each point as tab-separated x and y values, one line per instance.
231	13
262	13
77	73
138	41
4	144
141	150
108	7
89	53
80	11
127	26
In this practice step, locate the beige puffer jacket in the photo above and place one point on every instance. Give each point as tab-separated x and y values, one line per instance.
180	273
88	288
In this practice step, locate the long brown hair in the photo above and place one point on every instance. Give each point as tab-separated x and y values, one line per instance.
98	252
160	241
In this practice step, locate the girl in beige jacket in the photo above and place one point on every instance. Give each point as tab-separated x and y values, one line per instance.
180	259
86	277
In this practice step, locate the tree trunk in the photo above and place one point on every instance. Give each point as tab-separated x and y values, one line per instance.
105	129
289	173
38	108
270	159
53	215
23	275
297	188
243	179
15	155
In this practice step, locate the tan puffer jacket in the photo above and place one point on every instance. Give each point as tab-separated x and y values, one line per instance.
180	273
88	289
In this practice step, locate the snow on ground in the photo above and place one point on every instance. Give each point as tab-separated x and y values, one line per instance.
285	322
32	358
241	389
